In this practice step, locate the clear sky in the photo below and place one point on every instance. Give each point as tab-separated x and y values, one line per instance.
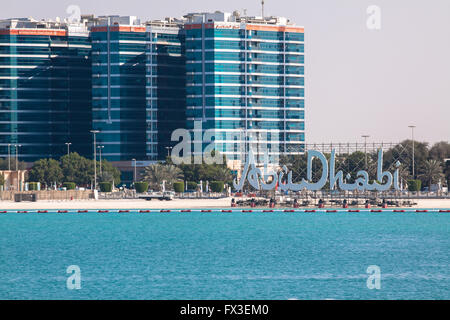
358	81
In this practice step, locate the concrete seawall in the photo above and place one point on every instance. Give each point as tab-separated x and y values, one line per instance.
51	194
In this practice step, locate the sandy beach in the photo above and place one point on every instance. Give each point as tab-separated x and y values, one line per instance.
157	204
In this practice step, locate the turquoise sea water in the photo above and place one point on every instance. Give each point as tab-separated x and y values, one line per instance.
219	255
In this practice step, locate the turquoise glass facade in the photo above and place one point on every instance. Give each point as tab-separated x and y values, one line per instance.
138	89
166	88
45	92
118	92
138	82
247	84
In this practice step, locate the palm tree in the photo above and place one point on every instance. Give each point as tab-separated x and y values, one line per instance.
431	172
106	177
156	173
223	174
404	175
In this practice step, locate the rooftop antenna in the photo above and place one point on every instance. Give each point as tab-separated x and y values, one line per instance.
262	9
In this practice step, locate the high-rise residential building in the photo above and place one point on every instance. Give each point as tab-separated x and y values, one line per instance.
45	88
245	80
138	78
118	86
136	82
166	84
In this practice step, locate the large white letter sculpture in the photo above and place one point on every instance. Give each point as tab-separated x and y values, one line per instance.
362	182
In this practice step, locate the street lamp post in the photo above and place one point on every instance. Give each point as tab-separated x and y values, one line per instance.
100	151
168	151
95	158
17	164
68	147
9	156
134	165
412	138
17	155
365	136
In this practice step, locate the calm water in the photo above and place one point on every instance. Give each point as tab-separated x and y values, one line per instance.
225	255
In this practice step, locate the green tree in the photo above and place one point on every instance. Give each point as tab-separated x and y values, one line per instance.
46	171
192	185
77	169
4	164
109	171
447	172
81	170
431	172
207	172
223	174
296	164
217	186
105	177
355	162
403	152
440	151
404	175
156	173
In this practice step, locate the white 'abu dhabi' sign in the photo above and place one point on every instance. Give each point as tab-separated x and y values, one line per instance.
268	180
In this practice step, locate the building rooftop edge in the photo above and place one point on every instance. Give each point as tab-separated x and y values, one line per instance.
89	20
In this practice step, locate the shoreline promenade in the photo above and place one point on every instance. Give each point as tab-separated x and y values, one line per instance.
157	204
